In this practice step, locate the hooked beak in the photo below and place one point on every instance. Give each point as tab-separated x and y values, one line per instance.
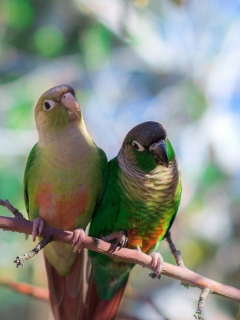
70	103
160	152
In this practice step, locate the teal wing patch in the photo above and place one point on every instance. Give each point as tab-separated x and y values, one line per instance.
30	161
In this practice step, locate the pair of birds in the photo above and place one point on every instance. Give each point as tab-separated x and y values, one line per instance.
68	182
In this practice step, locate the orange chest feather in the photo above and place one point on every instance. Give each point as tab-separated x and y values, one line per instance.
63	211
145	240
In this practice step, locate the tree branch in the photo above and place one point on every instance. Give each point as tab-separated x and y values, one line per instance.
186	276
203	296
26	289
176	253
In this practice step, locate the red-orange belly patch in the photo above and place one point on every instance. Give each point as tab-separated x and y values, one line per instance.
62	210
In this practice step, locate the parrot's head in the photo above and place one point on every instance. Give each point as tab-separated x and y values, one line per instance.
147	146
56	108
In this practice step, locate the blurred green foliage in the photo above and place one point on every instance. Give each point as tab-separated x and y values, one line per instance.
18	14
176	62
49	41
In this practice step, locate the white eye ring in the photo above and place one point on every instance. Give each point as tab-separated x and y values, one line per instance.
49	105
137	146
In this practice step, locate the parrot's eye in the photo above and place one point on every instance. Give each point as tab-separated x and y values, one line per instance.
137	146
48	105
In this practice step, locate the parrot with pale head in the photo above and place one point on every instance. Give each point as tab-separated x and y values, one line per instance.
63	184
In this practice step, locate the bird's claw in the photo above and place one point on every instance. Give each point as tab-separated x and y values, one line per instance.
120	236
157	264
122	241
37	229
78	239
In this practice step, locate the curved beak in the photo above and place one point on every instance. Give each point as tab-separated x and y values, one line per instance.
160	152
70	103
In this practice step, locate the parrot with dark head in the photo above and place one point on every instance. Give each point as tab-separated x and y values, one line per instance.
141	198
63	183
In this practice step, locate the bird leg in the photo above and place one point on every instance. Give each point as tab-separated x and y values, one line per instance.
37	229
157	264
120	236
78	239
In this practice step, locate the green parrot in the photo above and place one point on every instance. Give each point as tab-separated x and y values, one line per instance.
140	202
63	183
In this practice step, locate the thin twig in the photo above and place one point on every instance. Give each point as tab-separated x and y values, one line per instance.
133	256
203	296
10	207
47	238
176	253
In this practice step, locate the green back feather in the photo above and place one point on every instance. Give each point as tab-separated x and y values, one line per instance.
122	207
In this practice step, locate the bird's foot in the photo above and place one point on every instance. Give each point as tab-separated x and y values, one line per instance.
37	229
157	264
78	239
120	236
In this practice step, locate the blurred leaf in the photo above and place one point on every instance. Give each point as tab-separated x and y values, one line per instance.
19	14
95	45
196	103
20	116
49	41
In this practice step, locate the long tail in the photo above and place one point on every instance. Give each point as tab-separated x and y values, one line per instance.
100	309
66	293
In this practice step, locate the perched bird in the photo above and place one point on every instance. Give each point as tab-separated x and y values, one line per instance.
141	198
63	183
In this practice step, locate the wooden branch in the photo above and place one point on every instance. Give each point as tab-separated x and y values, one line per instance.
203	296
47	238
43	294
26	289
176	253
186	276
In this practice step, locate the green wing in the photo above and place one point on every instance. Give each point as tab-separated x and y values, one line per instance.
105	215
30	161
103	167
108	274
179	191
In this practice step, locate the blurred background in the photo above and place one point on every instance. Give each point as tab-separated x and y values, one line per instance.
175	62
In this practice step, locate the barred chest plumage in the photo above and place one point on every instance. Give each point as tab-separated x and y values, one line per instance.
149	202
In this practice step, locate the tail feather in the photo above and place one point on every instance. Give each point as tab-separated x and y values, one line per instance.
107	310
100	309
92	299
66	293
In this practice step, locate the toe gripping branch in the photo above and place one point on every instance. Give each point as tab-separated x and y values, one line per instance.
20	259
120	238
157	265
46	238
